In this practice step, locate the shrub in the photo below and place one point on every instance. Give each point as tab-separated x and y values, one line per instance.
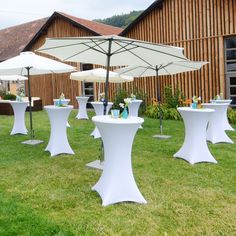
9	96
167	113
231	113
173	100
120	95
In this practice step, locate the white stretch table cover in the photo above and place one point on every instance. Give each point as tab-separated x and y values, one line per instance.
99	109
117	182
19	117
216	127
134	107
82	110
58	142
226	125
64	102
195	147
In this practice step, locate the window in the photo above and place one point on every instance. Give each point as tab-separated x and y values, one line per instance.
230	62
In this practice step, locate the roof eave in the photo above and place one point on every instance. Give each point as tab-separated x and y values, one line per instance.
47	24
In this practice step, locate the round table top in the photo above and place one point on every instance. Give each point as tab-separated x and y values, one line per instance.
136	100
82	97
215	105
189	109
221	101
53	107
101	103
58	99
19	102
110	120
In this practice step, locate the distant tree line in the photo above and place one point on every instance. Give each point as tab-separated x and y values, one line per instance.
121	21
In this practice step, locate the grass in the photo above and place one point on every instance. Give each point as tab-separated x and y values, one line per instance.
40	195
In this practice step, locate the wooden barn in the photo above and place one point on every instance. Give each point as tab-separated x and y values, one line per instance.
30	36
206	29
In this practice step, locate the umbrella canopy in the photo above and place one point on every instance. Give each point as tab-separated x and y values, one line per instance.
99	75
111	51
165	69
28	63
122	50
38	65
170	68
12	78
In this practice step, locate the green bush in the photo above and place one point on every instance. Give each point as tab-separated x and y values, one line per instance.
173	100
231	115
120	95
167	113
9	96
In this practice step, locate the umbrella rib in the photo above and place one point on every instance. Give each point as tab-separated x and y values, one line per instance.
74	44
142	42
124	48
88	47
138	46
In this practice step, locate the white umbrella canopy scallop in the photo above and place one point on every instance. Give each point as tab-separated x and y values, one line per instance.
109	51
28	63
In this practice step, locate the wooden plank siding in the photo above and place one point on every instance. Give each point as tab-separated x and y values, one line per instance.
52	85
199	26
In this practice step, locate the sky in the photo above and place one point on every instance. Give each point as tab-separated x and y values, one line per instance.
14	12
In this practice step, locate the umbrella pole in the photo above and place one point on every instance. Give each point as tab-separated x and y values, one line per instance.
107	77
30	106
83	89
105	102
99	91
159	100
161	136
31	141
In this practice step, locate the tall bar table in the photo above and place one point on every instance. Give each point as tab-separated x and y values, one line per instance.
134	107
117	183
216	127
19	117
82	110
64	102
195	147
225	121
99	109
58	142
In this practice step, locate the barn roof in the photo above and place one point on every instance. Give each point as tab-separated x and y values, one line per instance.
16	39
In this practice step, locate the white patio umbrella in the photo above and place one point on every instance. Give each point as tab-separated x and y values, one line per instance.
99	75
170	68
28	63
111	51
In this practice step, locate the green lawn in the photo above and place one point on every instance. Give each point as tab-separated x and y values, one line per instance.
44	196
